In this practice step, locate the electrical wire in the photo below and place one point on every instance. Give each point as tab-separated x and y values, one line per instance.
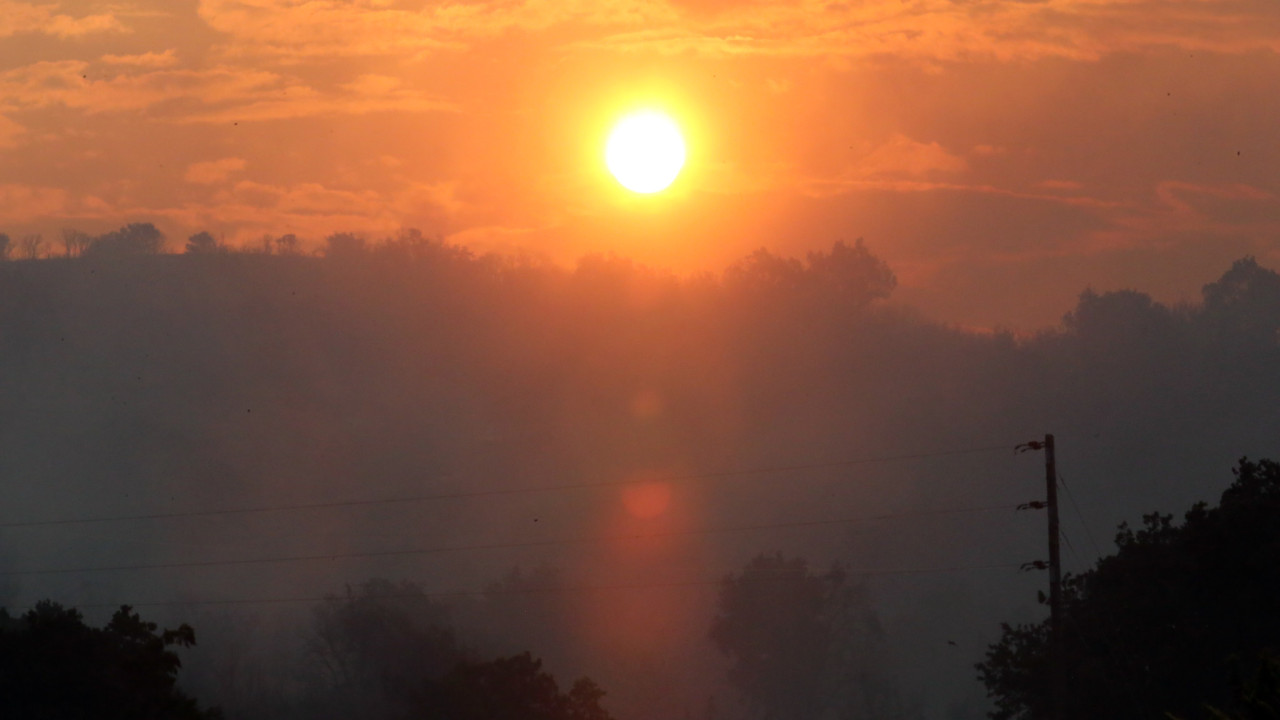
493	492
542	590
1079	515
498	546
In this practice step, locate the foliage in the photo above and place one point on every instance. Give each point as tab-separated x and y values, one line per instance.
132	239
802	645
202	243
1255	698
74	242
373	645
343	246
513	688
1151	629
1245	302
845	277
54	667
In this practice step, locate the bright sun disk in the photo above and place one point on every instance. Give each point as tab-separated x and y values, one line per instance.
645	151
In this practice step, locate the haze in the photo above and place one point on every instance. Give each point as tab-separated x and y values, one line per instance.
307	299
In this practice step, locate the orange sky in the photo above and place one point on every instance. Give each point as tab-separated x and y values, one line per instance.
1000	155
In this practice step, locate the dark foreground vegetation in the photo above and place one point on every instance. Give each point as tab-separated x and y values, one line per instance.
1182	620
138	384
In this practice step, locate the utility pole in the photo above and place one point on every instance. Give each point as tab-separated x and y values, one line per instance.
1058	676
1055	581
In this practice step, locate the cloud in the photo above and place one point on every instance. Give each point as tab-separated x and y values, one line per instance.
301	29
952	30
901	156
9	132
213	171
24	203
1185	197
168	58
21	18
218	94
1060	185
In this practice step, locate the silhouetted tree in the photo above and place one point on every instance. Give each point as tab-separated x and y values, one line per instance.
513	688
763	273
851	276
132	239
74	242
524	610
287	244
30	246
343	245
53	666
1245	303
801	645
202	243
6	247
373	645
848	277
1256	697
1151	629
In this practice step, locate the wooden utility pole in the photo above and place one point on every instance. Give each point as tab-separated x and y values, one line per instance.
1059	678
1057	657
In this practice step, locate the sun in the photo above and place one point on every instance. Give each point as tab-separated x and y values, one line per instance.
645	151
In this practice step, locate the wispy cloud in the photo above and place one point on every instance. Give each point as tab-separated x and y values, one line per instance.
901	156
10	131
219	94
300	29
947	30
165	59
25	203
19	18
213	171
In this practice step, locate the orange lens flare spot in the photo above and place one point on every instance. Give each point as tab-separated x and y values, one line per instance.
646	405
647	500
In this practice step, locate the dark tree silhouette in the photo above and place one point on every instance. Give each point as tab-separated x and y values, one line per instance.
31	246
1157	627
202	243
372	646
846	277
74	242
513	688
1245	303
6	247
802	645
53	666
287	244
1253	698
132	239
851	276
343	245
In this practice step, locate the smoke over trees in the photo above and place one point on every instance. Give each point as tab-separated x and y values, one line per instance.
803	645
143	384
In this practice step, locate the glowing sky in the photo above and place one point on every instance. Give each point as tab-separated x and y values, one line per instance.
1000	155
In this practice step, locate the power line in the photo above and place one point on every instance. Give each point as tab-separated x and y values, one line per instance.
542	590
1079	515
499	546
494	492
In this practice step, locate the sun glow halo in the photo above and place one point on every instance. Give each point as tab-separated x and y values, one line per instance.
645	152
